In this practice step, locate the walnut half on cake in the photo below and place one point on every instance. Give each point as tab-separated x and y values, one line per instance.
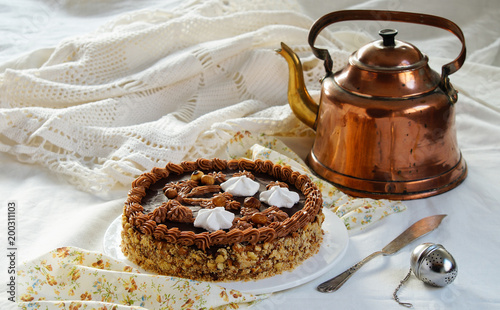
222	220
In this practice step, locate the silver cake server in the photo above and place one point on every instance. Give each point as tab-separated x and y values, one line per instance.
415	231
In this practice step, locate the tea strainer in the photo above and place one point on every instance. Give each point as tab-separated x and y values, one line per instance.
432	264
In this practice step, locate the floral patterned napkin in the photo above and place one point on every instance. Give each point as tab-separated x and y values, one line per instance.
76	279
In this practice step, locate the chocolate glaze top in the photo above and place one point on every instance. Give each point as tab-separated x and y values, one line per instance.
149	210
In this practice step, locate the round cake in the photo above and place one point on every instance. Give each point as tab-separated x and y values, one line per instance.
222	220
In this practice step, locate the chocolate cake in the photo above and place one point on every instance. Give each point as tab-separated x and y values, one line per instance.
222	220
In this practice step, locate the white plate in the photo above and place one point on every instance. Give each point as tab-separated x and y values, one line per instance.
332	249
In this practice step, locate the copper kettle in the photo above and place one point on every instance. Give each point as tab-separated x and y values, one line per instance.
385	123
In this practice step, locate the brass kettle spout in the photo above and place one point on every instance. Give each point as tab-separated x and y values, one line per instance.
303	106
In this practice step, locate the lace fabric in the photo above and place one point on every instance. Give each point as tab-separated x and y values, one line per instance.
155	86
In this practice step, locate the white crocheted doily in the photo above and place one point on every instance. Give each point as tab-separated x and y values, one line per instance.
156	86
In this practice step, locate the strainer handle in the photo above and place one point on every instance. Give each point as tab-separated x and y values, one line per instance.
406	17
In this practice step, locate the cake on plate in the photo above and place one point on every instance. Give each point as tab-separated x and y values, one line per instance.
222	220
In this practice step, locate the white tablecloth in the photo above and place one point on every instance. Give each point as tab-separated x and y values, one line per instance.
52	213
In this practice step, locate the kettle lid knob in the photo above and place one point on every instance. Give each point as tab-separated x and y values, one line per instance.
388	36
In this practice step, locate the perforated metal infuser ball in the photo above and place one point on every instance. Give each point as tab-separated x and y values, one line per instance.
433	264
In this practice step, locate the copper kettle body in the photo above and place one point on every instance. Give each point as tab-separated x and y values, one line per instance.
385	123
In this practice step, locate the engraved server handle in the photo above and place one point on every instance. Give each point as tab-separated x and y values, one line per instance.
335	283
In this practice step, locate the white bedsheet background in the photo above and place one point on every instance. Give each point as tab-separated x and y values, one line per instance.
53	213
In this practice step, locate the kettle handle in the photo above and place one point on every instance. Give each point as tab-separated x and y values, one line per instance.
396	16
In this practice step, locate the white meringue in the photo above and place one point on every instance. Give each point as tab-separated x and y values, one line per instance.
214	219
240	186
280	197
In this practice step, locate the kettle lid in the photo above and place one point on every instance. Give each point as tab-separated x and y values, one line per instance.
388	68
394	82
389	54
